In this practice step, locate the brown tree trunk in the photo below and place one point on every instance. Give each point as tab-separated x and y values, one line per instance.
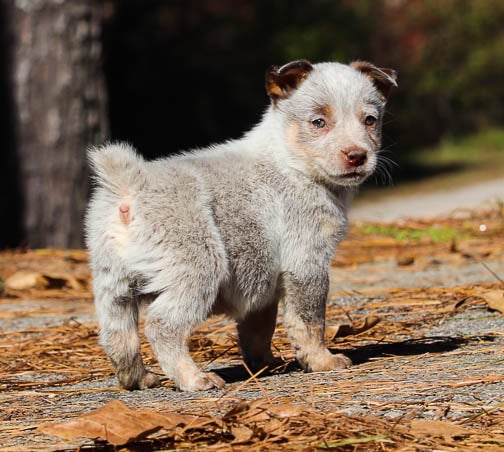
60	104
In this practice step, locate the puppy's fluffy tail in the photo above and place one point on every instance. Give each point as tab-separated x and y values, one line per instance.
117	167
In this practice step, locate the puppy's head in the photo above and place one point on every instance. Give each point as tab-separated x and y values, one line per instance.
332	115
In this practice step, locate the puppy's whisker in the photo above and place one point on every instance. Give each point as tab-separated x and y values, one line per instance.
386	150
387	161
383	169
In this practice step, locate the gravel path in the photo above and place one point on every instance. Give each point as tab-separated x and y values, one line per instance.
420	205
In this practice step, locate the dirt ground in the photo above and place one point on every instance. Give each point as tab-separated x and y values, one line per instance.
435	355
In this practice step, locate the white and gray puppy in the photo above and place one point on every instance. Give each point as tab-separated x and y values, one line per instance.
235	228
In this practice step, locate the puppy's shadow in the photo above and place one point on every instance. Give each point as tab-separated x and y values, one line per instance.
233	374
363	354
412	347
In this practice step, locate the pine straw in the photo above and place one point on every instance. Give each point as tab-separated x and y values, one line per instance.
401	370
71	350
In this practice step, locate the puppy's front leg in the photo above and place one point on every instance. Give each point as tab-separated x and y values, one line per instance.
305	299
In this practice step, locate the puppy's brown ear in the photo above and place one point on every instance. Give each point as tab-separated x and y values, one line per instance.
383	79
282	80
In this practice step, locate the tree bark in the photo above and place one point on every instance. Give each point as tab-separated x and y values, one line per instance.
60	104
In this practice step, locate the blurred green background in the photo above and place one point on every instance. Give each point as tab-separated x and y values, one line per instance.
180	74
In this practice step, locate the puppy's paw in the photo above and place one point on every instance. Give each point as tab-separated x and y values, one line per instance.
326	361
149	380
202	381
140	379
339	361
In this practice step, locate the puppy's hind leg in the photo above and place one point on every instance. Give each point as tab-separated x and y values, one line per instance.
170	321
117	310
255	332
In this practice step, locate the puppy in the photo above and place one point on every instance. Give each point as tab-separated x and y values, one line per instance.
235	228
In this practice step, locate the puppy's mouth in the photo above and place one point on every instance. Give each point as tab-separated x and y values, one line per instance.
353	176
348	178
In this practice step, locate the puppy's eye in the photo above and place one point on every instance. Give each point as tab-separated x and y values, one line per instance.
319	123
370	120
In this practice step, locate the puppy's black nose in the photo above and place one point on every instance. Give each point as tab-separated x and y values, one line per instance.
354	156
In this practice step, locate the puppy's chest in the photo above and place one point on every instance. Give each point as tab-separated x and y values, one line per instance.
315	217
330	228
312	237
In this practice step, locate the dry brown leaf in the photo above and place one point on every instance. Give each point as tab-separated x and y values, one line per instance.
405	260
256	416
241	433
254	411
351	330
274	427
23	280
78	282
444	429
241	407
494	299
116	424
285	410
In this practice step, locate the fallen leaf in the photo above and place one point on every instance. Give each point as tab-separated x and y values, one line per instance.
274	427
241	433
78	282
260	410
24	280
285	410
241	407
246	411
405	260
446	430
116	424
494	299
351	330
28	280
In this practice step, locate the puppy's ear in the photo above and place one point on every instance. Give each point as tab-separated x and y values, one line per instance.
383	79
282	80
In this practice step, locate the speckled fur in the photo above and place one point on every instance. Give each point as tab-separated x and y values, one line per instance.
233	228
